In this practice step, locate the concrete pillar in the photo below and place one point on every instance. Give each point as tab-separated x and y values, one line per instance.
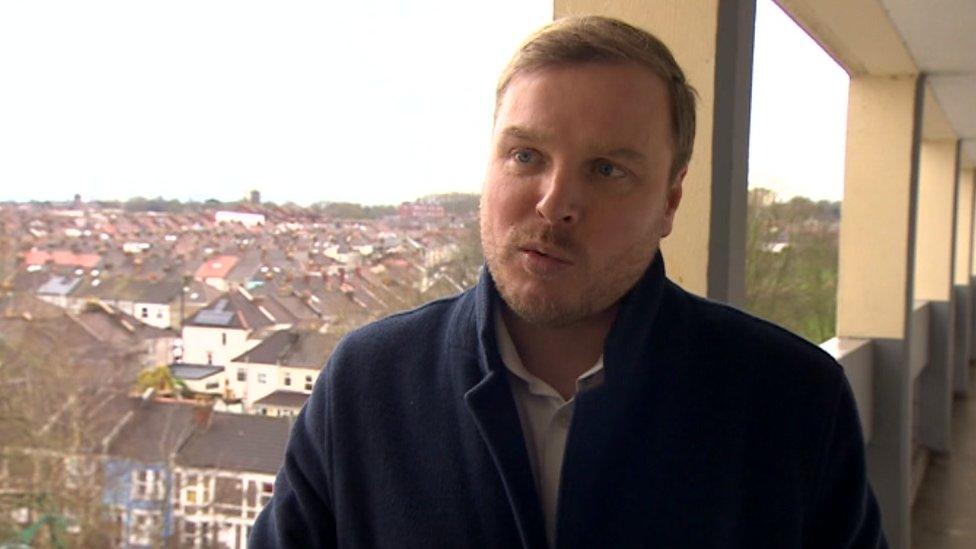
963	290
962	265
934	247
875	271
712	40
967	268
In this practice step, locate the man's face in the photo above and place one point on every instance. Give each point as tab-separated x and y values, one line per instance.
576	198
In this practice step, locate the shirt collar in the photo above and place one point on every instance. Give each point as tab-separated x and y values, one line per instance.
512	361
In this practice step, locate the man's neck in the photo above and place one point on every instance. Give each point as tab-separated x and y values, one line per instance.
559	355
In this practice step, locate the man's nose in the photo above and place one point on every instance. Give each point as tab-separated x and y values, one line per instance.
559	203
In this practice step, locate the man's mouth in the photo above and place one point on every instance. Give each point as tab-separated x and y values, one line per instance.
543	255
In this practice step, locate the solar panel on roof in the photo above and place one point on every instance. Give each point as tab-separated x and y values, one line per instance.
214	318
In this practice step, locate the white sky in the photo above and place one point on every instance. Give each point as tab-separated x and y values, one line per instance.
375	101
799	111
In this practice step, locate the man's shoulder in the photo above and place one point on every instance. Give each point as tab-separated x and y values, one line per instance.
388	369
406	341
735	336
432	320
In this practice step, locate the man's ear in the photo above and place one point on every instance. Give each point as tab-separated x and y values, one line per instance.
673	200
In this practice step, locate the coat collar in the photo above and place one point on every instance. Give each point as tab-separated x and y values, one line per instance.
635	321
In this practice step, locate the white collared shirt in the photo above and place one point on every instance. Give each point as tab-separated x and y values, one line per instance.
545	417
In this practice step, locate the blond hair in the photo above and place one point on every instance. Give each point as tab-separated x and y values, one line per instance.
597	39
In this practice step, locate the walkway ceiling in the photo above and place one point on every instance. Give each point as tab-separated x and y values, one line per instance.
882	37
941	36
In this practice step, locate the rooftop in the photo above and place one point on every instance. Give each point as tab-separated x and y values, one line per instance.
218	267
238	442
283	399
235	309
194	371
296	349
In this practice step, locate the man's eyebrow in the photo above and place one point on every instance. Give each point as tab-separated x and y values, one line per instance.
627	154
526	134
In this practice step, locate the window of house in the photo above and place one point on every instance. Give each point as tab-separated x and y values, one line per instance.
223	338
267	489
209	357
144	313
140	483
308	383
146	484
262	378
198	494
288	379
213	385
242	374
77	470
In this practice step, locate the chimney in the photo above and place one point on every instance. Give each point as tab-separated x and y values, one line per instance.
203	415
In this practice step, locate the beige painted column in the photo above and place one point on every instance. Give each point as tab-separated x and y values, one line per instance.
874	282
964	228
935	228
712	41
968	177
875	271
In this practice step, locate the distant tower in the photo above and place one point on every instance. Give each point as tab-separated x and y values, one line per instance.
255	197
77	202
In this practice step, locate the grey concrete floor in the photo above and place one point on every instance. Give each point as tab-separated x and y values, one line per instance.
944	516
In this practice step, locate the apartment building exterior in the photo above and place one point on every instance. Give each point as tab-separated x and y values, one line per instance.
224	475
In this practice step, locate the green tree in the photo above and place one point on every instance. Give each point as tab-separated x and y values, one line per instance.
161	379
791	263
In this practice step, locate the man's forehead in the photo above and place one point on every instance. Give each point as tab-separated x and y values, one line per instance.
615	105
601	78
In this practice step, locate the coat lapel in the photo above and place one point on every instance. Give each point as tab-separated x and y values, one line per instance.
493	408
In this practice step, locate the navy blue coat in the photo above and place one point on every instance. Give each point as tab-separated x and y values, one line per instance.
712	429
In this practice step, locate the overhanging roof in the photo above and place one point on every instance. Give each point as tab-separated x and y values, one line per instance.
892	37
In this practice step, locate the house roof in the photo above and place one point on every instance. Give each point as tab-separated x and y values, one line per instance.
283	399
217	267
295	349
20	303
279	311
107	323
153	431
162	292
58	285
62	257
194	371
238	442
234	309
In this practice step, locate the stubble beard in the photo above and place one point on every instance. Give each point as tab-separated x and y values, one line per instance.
596	290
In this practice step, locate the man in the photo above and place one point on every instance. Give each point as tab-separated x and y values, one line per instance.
576	397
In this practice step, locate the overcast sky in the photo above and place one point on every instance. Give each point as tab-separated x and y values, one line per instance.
376	101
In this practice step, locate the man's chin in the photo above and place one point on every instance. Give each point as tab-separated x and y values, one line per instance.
547	311
537	301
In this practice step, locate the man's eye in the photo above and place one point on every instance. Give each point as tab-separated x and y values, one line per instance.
607	169
523	156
